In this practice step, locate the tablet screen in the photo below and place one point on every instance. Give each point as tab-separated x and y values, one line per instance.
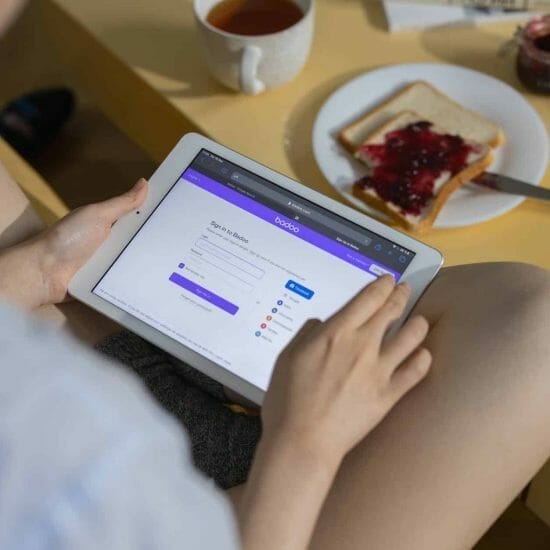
232	265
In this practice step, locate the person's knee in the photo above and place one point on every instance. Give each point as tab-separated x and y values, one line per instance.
525	278
500	288
525	289
502	277
509	291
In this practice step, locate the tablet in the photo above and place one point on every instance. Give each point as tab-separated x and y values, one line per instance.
227	259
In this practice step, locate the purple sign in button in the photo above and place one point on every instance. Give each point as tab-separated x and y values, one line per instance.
203	293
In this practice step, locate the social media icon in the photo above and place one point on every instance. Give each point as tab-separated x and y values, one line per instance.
297	288
279	302
402	259
258	333
269	317
274	310
263	325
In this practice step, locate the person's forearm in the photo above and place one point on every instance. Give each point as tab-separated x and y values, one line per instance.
22	280
286	489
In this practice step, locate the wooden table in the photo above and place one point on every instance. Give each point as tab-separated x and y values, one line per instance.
141	62
42	197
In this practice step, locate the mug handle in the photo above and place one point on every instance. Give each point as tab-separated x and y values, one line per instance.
248	73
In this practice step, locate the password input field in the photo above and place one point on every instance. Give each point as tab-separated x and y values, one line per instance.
229	258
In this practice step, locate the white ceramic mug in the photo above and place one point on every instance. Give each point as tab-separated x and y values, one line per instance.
252	64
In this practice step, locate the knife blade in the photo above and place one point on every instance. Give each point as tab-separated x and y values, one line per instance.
510	185
512	5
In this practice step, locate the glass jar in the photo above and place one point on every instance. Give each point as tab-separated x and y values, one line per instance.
533	57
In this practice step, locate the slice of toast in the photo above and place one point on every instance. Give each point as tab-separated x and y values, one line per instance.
413	166
430	104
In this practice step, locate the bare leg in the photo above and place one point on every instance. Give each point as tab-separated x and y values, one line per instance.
446	462
18	221
454	453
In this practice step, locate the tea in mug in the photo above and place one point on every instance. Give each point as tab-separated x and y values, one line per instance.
254	17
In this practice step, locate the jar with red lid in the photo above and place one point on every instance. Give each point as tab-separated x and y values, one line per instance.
533	58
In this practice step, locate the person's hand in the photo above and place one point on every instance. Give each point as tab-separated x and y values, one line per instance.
67	245
331	386
336	380
37	272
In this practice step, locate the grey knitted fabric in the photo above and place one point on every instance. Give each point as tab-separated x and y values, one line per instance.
223	441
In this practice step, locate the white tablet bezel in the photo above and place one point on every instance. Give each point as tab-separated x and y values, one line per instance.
418	274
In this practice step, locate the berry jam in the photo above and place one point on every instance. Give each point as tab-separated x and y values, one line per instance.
543	43
533	60
408	163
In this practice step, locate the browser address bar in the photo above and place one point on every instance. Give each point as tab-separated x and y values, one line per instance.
252	185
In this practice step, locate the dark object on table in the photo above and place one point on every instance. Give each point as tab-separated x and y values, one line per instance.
29	123
533	60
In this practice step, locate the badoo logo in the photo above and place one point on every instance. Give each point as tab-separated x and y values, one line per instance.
287	225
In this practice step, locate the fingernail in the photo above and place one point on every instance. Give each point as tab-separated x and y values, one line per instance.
137	187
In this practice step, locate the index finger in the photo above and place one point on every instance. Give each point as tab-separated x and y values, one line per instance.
365	304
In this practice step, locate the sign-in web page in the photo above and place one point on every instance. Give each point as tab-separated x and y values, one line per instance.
232	265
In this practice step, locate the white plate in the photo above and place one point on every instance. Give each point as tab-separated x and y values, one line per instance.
524	154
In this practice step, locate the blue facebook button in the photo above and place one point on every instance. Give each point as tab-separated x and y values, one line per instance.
299	289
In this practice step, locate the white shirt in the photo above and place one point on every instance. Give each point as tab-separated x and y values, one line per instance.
88	460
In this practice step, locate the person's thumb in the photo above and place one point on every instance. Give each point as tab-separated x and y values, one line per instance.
115	208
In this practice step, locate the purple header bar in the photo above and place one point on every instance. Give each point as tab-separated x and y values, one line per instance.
287	224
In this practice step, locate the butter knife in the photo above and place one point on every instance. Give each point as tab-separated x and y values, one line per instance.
506	184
